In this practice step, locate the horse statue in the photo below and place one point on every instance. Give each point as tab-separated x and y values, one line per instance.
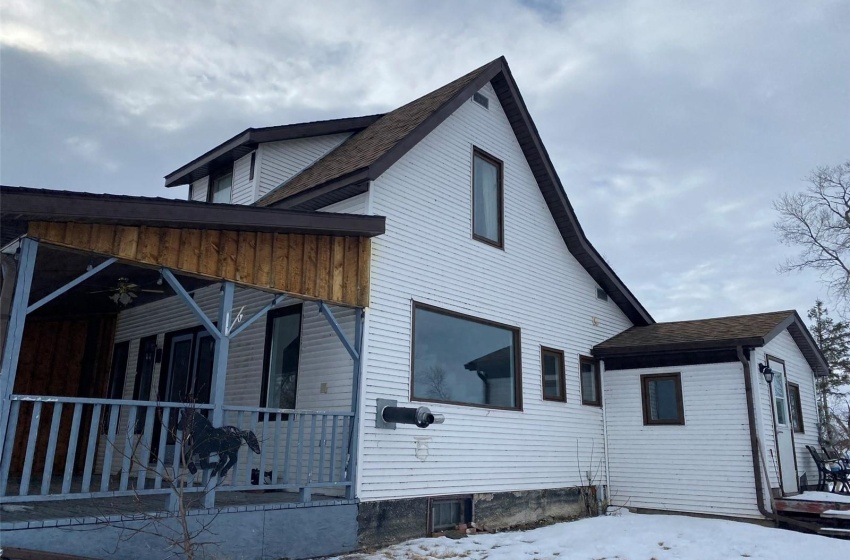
206	440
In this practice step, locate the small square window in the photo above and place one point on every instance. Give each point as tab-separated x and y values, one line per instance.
590	382
487	199
553	375
481	100
445	514
662	399
600	294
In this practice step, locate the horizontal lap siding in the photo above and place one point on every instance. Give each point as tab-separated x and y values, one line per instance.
428	255
280	161
198	191
704	466
798	371
243	187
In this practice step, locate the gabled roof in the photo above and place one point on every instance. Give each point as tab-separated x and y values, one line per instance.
347	170
247	140
714	334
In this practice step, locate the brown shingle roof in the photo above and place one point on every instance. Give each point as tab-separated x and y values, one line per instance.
720	329
369	145
713	334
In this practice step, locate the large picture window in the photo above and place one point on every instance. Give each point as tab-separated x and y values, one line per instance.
463	360
283	348
486	198
662	399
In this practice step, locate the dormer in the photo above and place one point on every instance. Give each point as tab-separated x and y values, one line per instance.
257	160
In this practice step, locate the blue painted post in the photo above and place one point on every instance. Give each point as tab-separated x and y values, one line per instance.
15	332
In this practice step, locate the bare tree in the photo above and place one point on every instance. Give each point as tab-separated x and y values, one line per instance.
817	221
436	376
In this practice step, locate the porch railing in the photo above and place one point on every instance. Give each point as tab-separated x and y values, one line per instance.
66	448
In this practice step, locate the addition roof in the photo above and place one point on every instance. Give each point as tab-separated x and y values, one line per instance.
347	170
714	334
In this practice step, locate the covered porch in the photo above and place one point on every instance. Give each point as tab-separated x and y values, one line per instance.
129	314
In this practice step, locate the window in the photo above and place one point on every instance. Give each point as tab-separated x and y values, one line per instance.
445	514
283	347
481	100
590	382
796	408
463	360
662	399
600	294
486	198
553	375
221	186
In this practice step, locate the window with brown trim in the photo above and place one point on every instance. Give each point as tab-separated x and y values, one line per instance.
220	187
554	379
591	384
487	199
464	360
796	407
662	399
281	357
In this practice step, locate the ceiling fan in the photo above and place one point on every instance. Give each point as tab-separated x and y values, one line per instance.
125	291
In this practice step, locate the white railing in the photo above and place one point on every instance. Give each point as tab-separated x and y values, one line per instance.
70	448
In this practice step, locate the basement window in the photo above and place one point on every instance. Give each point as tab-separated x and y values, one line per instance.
481	100
445	514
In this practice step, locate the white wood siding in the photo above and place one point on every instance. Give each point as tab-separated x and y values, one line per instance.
198	190
798	371
243	187
428	255
704	466
280	161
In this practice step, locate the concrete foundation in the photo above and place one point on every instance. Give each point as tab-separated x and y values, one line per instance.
270	534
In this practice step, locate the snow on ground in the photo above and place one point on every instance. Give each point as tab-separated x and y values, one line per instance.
821	497
625	537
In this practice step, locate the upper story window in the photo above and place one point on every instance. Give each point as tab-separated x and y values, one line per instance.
464	360
221	187
487	199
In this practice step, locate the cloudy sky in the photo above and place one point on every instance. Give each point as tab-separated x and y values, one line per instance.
673	125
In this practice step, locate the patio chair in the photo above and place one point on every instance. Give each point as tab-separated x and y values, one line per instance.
830	471
832	454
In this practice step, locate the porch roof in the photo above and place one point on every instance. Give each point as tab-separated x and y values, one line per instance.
311	255
719	333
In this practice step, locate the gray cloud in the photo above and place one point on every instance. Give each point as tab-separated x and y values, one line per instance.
673	125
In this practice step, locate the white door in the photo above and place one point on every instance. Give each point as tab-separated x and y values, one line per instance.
784	441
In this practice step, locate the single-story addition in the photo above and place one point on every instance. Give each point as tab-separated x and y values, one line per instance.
407	329
711	416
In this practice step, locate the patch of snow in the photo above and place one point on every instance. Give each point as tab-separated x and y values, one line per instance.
821	497
836	514
626	537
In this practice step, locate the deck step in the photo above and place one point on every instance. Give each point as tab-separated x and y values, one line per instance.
836	514
834	531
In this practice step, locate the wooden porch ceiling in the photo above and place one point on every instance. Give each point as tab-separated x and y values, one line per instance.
323	267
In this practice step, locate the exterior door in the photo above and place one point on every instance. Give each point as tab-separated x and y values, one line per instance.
782	425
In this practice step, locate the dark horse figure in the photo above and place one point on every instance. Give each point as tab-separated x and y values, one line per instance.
206	440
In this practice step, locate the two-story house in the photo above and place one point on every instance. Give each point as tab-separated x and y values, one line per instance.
320	272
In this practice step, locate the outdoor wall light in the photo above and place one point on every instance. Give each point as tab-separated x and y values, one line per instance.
767	373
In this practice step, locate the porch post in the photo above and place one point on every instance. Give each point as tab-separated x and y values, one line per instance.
15	332
222	349
351	491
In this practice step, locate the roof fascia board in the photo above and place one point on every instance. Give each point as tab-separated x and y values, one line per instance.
527	121
377	168
781	326
752	342
434	120
818	361
300	200
57	206
253	136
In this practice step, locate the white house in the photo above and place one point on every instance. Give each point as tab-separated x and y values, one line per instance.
460	280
